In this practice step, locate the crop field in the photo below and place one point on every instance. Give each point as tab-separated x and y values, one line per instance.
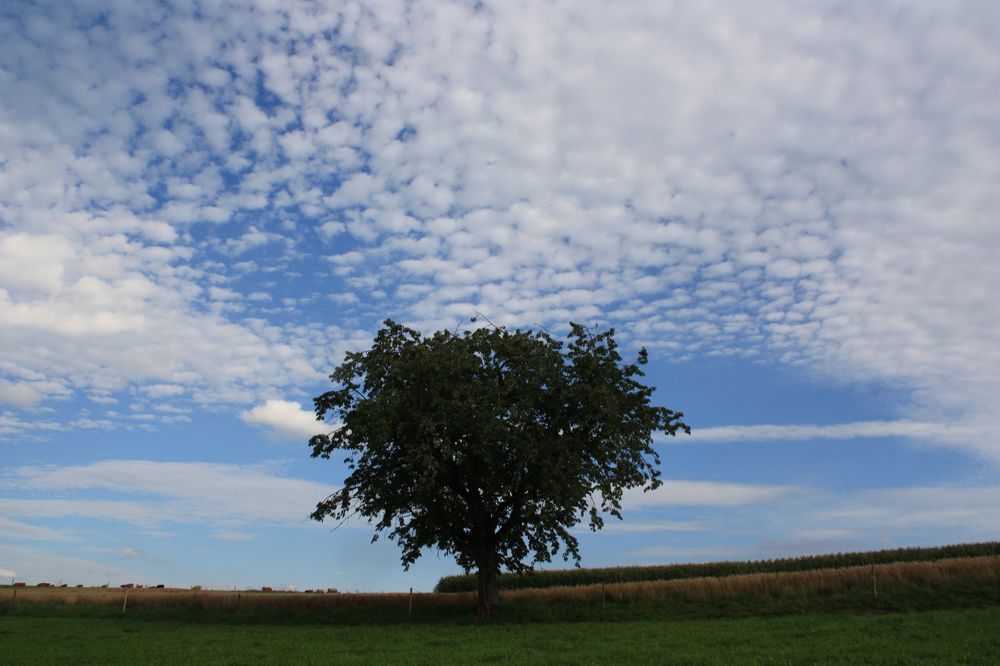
633	574
900	586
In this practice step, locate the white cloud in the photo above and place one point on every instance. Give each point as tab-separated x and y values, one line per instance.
285	418
826	535
26	394
705	493
7	573
689	554
817	520
11	529
10	425
33	261
141	513
971	507
756	433
36	565
329	229
205	493
162	390
628	527
251	239
232	535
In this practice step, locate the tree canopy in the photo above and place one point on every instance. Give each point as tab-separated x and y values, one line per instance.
489	445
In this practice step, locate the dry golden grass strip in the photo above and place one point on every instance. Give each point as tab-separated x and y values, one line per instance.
231	600
982	570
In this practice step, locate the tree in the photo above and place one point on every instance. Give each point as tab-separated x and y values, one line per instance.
489	445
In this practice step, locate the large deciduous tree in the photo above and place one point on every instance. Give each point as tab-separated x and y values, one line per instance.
489	445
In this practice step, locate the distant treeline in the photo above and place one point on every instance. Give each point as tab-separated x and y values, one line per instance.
570	577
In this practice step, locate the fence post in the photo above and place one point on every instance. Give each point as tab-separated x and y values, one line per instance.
874	583
410	611
603	595
14	600
125	601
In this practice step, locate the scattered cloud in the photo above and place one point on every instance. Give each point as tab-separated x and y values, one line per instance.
705	493
28	393
814	520
688	554
232	535
10	424
826	535
915	508
162	390
751	202
38	565
756	433
200	493
12	529
628	526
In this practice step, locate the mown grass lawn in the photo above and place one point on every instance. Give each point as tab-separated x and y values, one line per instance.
968	636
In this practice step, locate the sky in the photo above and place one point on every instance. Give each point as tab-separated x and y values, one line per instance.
204	205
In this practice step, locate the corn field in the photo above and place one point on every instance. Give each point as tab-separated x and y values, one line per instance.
576	577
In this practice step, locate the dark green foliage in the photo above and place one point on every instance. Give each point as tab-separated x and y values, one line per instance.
539	579
489	445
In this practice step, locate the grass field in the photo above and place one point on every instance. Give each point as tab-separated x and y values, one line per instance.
967	636
944	612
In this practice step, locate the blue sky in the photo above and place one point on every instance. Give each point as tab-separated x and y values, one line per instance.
204	205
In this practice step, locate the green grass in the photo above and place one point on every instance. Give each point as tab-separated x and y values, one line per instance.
967	636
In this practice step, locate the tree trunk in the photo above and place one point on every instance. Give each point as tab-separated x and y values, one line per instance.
488	594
